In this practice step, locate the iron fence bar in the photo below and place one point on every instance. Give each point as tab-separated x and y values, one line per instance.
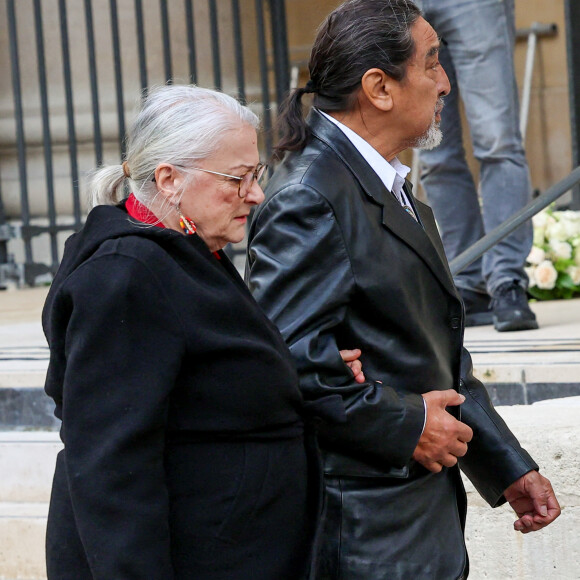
93	81
280	46
3	241
19	120
46	134
572	13
166	41
191	53
263	60
118	74
72	138
139	23
215	44
472	253
238	50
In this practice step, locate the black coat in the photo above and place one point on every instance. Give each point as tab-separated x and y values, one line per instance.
184	446
336	262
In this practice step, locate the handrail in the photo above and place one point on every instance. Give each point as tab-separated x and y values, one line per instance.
472	253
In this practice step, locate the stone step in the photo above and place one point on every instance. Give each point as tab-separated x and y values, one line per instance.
22	533
27	461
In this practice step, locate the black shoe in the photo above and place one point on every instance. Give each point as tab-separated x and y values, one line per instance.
510	308
477	312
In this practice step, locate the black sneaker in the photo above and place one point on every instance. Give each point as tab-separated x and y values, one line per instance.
510	308
477	311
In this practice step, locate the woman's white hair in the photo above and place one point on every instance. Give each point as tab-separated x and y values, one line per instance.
177	124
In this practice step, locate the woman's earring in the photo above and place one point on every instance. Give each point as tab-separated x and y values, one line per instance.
187	225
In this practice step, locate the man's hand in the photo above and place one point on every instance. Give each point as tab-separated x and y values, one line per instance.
350	357
534	501
444	438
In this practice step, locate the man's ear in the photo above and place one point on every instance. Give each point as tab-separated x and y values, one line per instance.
377	86
168	180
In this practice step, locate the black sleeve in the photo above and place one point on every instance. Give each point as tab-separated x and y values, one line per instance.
494	458
123	349
300	273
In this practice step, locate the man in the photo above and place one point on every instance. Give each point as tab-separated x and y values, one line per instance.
478	58
342	256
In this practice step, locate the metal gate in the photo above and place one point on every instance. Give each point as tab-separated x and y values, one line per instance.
106	53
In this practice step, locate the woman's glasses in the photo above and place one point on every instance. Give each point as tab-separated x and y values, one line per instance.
245	182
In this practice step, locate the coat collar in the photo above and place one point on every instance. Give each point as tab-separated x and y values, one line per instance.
425	241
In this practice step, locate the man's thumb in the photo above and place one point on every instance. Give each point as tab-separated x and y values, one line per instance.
452	397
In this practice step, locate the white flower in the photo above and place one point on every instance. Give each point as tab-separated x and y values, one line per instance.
540	220
536	255
574	273
530	271
571	222
557	231
545	275
577	256
560	250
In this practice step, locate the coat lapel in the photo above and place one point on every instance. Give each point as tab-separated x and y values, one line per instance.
425	241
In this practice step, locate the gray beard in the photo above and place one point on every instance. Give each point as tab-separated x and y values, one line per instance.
431	138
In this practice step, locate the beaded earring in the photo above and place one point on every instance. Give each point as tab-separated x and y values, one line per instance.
187	224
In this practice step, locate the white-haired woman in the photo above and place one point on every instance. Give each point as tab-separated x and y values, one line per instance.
185	449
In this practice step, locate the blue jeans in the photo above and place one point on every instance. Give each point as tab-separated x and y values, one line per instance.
478	58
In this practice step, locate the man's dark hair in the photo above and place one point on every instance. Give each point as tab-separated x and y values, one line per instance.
355	37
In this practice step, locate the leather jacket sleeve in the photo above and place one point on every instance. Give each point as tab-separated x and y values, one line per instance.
299	271
494	459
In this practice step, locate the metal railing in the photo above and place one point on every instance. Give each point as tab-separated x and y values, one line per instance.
477	250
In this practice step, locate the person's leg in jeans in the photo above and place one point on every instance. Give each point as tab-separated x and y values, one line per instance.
479	56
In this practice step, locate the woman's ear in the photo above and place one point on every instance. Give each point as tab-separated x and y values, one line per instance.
169	180
377	87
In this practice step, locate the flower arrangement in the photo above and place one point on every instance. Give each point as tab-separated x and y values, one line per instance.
553	265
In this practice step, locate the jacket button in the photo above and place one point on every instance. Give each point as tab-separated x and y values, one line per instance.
455	323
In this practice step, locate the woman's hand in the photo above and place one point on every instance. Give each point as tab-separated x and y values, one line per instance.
351	358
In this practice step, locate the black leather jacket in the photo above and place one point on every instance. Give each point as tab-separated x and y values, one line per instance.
336	262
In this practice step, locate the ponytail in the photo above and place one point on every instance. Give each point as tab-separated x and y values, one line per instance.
292	126
106	185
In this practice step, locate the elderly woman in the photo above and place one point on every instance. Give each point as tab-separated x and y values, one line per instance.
185	449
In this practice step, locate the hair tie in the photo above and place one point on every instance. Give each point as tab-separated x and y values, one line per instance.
309	87
126	171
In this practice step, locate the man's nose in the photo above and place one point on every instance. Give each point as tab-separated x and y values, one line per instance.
444	86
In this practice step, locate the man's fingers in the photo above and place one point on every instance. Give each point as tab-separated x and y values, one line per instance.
464	432
432	466
355	366
459	449
349	355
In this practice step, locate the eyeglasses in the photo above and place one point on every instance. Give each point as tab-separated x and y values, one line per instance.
245	182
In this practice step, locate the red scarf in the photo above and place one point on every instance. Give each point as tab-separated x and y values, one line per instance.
139	212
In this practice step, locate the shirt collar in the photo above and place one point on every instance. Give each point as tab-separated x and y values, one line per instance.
392	174
140	212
